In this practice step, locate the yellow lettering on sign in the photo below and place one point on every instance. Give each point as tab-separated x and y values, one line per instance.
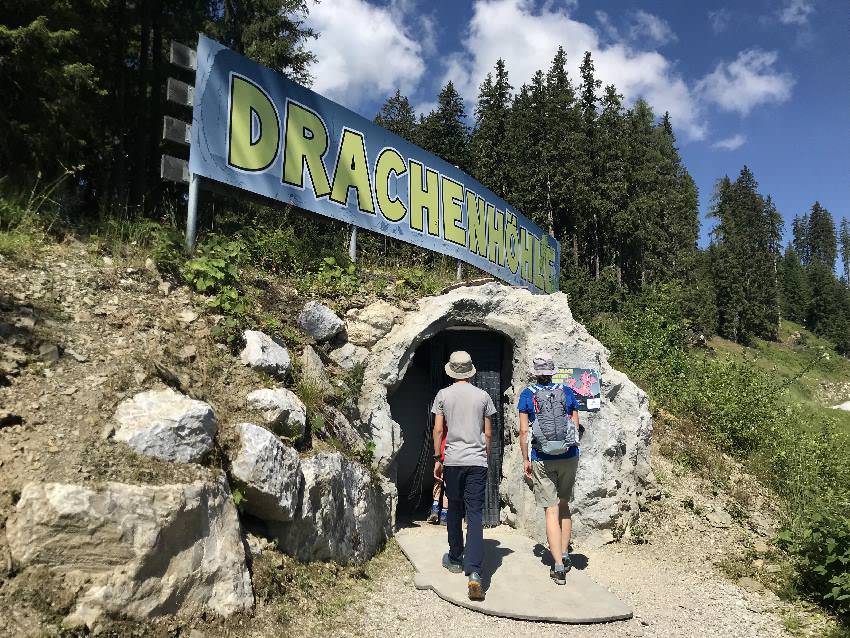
389	161
496	237
526	259
253	127
352	171
452	193
306	142
539	261
476	221
424	196
512	241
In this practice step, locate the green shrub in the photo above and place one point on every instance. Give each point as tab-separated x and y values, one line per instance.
821	549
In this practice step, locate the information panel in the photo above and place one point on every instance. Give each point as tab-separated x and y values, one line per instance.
258	131
584	383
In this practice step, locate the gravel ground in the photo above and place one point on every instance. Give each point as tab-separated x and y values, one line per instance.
670	600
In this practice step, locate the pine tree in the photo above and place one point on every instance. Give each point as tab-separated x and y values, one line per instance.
845	250
794	295
397	116
586	185
612	181
561	155
444	131
745	254
643	214
800	233
822	241
527	141
489	139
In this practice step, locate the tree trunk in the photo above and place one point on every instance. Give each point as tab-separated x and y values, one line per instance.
155	120
142	132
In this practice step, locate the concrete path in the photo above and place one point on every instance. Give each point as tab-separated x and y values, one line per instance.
516	579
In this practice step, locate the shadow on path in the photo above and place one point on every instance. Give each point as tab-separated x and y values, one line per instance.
580	561
494	553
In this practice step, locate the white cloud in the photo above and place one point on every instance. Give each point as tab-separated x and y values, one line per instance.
607	26
730	143
748	81
719	19
796	12
651	27
527	38
363	49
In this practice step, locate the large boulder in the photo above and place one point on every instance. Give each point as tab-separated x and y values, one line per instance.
268	472
167	425
135	551
314	373
366	326
614	467
281	410
319	321
348	356
265	353
344	515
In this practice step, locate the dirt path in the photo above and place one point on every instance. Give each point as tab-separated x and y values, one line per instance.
670	600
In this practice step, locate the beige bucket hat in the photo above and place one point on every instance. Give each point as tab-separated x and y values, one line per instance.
460	365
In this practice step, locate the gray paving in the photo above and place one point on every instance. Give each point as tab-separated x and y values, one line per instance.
516	580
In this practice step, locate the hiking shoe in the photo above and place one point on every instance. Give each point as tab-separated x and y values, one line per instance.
444	517
476	589
454	566
558	574
434	516
568	564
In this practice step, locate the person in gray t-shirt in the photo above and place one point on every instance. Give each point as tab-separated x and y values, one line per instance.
466	410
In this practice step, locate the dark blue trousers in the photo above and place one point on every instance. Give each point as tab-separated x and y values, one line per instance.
465	489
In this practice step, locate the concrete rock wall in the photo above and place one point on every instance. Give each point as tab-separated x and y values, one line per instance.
615	450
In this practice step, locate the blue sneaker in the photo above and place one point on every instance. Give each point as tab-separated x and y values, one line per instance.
444	517
454	566
434	516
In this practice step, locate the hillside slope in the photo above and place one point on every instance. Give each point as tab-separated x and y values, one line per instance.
81	332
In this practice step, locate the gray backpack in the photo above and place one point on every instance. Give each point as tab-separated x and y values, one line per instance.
553	431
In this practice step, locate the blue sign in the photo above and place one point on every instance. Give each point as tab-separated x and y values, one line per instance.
256	130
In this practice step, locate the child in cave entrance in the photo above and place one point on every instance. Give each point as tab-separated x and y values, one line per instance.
440	504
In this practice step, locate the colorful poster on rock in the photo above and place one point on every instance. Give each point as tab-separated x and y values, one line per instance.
585	384
255	130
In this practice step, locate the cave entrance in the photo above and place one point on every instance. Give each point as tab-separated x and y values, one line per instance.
410	405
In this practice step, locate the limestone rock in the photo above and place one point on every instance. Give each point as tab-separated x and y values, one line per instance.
319	321
348	356
343	515
842	406
167	425
265	353
135	551
313	371
614	467
269	473
367	325
340	428
281	409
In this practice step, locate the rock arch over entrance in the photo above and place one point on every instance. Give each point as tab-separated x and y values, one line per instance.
615	450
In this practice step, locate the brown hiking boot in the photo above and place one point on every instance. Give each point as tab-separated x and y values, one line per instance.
476	589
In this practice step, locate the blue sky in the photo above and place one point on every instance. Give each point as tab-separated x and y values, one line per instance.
762	83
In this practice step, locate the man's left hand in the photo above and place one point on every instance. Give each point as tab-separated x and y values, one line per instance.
438	470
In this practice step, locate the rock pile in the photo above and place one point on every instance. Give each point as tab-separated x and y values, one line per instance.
136	551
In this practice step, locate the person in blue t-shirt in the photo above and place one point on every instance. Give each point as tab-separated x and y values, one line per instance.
552	476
